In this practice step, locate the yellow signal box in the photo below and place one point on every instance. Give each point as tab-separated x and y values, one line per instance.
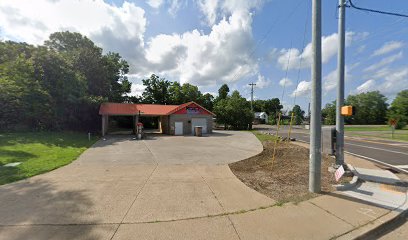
347	110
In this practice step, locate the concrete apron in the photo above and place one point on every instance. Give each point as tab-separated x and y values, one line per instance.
120	181
170	188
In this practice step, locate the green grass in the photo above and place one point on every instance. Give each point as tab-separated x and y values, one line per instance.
380	131
39	152
263	137
367	128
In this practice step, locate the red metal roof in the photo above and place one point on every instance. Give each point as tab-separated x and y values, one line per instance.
181	108
145	109
118	109
155	109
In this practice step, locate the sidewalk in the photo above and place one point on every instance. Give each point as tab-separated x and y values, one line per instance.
105	195
337	215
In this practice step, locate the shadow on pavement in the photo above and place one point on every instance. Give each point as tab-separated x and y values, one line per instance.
40	210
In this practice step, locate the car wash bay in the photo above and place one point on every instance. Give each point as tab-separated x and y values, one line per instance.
171	119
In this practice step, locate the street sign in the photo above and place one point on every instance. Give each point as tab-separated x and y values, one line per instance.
339	173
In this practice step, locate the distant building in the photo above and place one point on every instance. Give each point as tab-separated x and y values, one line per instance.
261	117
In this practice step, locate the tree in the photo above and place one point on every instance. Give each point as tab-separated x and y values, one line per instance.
59	85
156	90
399	109
329	113
259	105
223	92
298	114
207	101
116	70
234	111
86	58
371	108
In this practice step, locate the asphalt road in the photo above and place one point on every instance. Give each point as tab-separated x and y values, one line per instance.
389	153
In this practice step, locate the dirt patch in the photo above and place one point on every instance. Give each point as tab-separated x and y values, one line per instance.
287	178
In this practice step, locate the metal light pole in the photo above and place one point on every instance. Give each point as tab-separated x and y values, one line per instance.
316	104
340	85
252	94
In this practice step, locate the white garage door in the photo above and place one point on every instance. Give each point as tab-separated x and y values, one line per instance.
178	128
202	122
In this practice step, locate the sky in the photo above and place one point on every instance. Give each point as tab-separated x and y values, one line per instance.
212	42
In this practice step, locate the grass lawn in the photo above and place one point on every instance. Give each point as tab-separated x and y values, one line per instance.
263	137
357	128
38	152
379	131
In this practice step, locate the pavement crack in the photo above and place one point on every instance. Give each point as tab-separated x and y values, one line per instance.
219	202
333	214
137	195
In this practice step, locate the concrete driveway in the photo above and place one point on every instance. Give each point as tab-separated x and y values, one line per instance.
164	187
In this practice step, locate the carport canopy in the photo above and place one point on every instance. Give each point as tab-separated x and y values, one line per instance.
136	110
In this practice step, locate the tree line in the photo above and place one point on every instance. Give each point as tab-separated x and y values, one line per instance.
371	108
58	85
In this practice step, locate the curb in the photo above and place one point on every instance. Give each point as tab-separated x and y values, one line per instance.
351	184
375	228
378	226
378	231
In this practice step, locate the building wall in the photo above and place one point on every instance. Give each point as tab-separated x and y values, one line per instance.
186	119
165	127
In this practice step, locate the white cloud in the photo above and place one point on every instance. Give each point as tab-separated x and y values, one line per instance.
388	47
209	9
367	86
388	81
155	3
137	90
262	82
216	9
395	81
302	89
384	62
33	21
222	55
330	80
175	5
329	50
285	82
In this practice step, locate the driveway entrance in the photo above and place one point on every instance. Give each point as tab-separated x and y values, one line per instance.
122	189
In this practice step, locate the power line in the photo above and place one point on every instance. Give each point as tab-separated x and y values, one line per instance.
376	11
301	56
261	41
287	69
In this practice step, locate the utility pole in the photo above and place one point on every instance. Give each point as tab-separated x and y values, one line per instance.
252	95
340	85
316	104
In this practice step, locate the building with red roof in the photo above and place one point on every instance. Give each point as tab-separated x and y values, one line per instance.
173	119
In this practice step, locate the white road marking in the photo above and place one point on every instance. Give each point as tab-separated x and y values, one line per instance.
378	161
382	149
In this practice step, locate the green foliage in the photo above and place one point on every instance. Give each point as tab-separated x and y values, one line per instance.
371	108
399	109
234	112
223	92
38	152
59	85
161	91
271	106
298	115
156	90
329	113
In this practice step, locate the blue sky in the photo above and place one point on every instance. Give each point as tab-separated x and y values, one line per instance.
211	42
